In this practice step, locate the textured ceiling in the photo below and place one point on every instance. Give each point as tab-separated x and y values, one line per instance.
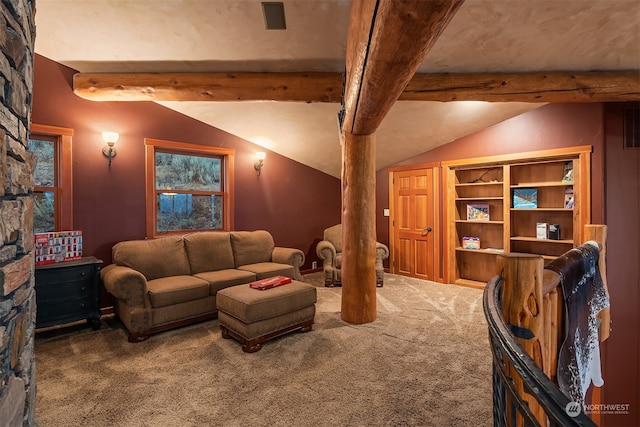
229	35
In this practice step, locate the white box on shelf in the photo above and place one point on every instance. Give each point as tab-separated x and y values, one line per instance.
542	230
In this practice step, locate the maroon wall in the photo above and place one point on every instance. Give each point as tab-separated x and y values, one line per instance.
292	201
622	350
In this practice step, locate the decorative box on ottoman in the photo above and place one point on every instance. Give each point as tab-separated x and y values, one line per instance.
252	316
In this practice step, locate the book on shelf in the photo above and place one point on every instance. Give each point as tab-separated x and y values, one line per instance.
478	212
567	173
470	242
525	198
542	230
568	198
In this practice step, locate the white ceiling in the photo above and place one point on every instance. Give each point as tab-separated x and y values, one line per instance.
229	35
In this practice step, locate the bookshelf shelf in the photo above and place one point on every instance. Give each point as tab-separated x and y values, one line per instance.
534	239
493	182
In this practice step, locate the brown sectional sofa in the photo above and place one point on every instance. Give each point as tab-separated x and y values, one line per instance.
172	281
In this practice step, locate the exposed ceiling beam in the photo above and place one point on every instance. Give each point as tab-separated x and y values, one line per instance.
589	86
386	43
301	87
601	86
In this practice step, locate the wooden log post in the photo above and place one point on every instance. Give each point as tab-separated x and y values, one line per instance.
359	229
522	310
386	43
598	233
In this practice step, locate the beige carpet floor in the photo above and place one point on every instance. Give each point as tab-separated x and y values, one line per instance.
425	361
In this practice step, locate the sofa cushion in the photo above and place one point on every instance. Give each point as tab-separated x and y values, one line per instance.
224	278
251	247
154	258
208	251
262	270
334	235
176	289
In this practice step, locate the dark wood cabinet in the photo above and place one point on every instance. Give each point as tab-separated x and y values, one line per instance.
67	292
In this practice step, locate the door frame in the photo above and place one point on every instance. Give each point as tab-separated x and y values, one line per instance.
438	266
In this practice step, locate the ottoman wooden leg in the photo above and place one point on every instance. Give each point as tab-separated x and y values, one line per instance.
251	346
225	332
306	327
248	346
255	344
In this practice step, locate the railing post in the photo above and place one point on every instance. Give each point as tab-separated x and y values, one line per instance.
522	310
598	233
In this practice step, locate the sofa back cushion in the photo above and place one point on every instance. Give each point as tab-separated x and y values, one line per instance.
209	251
154	258
251	247
334	235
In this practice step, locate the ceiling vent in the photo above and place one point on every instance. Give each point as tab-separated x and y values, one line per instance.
632	127
274	15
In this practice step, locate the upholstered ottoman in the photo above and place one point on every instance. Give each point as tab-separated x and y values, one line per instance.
253	316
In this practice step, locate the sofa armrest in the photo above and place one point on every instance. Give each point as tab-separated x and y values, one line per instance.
291	256
126	284
382	251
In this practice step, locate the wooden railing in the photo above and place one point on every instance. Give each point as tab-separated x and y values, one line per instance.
525	310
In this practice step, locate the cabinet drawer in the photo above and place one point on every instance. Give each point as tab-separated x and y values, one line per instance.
65	310
67	290
63	275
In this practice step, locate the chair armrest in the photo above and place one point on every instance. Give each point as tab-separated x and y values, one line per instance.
291	256
326	251
126	284
382	251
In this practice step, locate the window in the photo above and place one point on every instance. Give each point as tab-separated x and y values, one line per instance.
52	193
189	187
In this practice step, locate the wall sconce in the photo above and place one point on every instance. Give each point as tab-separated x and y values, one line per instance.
260	155
109	150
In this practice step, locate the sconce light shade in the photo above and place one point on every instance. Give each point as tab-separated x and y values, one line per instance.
109	150
260	155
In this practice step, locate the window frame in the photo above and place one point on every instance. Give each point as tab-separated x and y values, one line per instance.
227	181
63	173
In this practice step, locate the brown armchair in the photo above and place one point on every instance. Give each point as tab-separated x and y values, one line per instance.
329	251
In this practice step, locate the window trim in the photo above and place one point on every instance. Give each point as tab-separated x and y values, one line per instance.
227	154
63	216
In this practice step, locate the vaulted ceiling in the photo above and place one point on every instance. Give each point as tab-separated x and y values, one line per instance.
162	36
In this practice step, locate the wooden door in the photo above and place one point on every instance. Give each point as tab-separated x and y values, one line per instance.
414	223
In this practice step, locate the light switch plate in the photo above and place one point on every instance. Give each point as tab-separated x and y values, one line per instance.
386	212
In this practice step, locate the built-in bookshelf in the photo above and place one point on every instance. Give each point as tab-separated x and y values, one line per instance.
505	201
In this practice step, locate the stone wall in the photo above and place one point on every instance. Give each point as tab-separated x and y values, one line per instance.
17	295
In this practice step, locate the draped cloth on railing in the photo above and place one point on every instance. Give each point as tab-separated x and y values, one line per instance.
584	296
